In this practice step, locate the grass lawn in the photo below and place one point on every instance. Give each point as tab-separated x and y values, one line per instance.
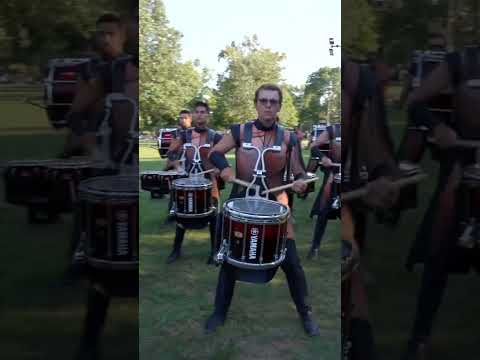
263	324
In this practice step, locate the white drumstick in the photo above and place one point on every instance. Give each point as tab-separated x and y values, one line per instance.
204	172
355	194
288	186
241	182
460	143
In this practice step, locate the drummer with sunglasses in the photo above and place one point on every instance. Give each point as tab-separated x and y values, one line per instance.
201	137
262	133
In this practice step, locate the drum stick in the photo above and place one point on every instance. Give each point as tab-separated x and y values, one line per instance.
241	182
204	172
355	194
288	186
461	143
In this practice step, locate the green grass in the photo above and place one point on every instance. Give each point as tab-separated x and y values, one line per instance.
176	299
39	320
393	295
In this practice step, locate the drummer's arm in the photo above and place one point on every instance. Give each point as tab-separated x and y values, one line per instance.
296	169
173	153
218	159
89	90
437	81
315	149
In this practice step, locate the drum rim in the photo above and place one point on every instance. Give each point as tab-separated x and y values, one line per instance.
256	266
175	185
89	194
258	219
193	216
99	263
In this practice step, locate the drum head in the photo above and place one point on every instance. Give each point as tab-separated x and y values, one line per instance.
70	164
14	163
195	182
257	210
110	187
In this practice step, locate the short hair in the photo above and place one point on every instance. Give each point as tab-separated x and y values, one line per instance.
188	112
110	18
271	87
203	104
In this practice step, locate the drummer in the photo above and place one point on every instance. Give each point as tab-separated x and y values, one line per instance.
324	201
437	237
199	135
262	133
107	283
184	123
97	80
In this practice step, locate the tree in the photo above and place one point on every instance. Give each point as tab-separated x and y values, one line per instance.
34	31
167	85
248	67
321	99
359	31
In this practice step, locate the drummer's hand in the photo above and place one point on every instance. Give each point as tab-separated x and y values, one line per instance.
227	174
216	172
444	136
299	186
382	193
326	162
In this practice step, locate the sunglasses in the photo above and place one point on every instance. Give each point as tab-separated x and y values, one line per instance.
272	102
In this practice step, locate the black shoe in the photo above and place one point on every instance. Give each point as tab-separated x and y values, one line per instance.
309	325
312	253
173	256
213	322
88	353
416	350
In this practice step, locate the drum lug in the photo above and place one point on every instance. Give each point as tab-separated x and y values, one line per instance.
220	257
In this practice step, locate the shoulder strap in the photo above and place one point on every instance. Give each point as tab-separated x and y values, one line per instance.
279	136
211	136
247	133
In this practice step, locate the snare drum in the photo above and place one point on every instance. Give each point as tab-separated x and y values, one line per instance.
254	233
60	88
193	198
165	138
26	180
110	211
159	183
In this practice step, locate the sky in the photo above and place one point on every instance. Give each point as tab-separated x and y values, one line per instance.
299	28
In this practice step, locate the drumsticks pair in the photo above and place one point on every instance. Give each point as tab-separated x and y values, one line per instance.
278	188
356	194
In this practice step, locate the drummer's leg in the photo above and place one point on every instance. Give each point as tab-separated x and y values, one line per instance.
320	226
212	226
97	306
223	297
297	285
177	244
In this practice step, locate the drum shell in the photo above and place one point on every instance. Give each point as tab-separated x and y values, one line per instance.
111	226
26	181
